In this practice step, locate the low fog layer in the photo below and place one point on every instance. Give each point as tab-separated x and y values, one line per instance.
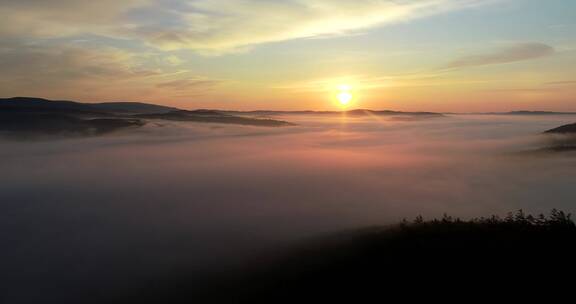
192	197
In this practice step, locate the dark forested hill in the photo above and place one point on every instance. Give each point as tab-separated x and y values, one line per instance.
27	117
565	129
412	260
40	104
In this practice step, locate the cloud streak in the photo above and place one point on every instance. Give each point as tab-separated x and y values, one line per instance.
61	18
211	25
514	53
56	70
187	84
219	25
561	83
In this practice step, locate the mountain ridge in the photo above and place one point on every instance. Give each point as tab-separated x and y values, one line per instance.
30	117
149	108
41	103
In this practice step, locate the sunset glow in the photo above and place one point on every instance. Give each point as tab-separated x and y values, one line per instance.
282	55
344	98
344	95
285	151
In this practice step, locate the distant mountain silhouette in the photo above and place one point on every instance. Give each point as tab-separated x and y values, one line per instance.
210	116
365	112
30	125
28	117
518	113
355	112
538	113
36	104
131	107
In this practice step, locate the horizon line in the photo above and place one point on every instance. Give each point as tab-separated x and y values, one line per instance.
304	110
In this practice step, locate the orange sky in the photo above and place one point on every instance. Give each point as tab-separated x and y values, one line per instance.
428	55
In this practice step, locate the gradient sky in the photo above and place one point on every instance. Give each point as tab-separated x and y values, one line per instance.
433	55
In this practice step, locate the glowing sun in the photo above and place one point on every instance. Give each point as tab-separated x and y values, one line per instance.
344	96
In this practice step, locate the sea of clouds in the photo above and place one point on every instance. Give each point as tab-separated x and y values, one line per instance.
89	213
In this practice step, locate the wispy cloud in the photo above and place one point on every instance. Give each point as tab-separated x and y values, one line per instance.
69	69
187	84
375	82
212	25
56	63
61	18
226	25
514	53
561	83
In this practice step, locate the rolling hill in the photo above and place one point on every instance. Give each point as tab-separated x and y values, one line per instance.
29	117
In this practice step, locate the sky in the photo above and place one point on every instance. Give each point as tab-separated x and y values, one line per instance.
416	55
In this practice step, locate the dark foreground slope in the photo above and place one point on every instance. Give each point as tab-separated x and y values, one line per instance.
565	129
412	260
561	139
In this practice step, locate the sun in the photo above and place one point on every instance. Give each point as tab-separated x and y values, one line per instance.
344	95
344	98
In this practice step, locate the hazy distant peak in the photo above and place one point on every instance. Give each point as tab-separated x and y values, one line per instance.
389	112
523	112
